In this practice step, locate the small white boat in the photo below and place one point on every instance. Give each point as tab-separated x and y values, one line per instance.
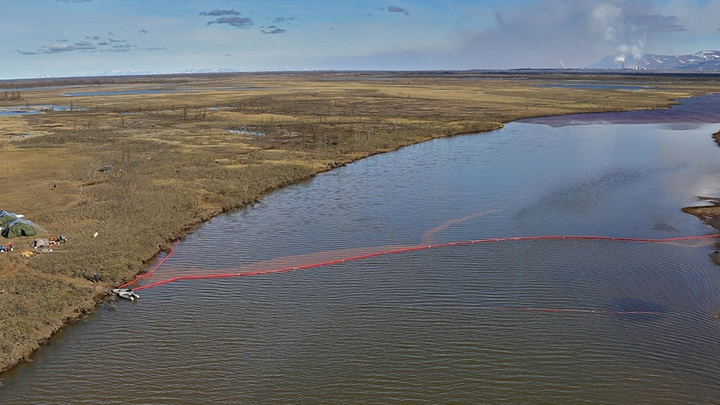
126	293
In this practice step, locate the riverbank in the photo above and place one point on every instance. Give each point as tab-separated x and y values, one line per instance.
710	214
133	164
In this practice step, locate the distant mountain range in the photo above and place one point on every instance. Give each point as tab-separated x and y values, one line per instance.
703	61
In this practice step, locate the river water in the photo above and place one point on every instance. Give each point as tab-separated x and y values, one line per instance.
445	325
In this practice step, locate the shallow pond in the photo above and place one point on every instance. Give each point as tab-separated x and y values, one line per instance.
37	109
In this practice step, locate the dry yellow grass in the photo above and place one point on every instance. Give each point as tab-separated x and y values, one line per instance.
213	143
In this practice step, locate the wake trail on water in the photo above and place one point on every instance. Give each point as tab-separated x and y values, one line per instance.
428	237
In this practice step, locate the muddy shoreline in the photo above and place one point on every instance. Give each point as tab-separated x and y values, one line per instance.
147	139
710	214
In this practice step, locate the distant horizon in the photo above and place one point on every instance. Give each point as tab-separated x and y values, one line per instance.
76	38
599	71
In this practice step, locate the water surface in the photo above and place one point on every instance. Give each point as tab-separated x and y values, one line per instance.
597	86
688	114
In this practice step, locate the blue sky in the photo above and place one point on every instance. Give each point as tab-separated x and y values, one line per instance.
80	37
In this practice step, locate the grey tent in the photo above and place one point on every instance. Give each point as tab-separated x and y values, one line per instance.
6	218
19	227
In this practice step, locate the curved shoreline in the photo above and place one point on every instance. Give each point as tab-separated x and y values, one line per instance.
710	214
98	292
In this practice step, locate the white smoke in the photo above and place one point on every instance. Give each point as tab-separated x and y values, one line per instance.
620	59
574	30
538	33
625	26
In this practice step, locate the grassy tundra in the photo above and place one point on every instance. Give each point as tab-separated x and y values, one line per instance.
182	149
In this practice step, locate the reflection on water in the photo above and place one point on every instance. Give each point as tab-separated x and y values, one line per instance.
628	307
702	109
430	326
584	195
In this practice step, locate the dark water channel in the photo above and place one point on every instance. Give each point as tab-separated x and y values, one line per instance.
433	326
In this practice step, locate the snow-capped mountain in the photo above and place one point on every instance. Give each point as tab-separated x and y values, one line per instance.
703	61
